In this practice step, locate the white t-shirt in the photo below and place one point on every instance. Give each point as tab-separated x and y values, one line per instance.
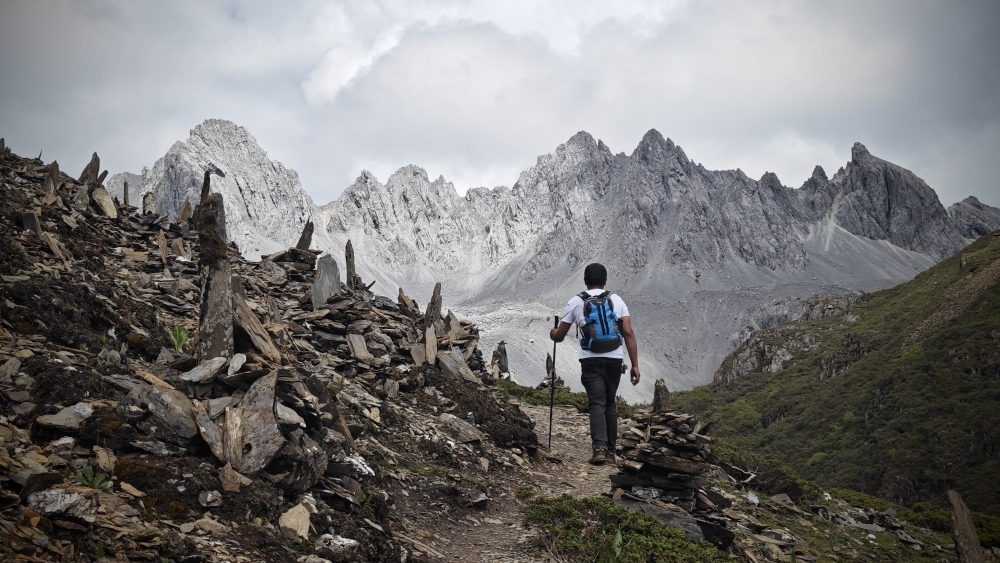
573	314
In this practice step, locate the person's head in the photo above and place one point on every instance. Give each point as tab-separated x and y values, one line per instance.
595	275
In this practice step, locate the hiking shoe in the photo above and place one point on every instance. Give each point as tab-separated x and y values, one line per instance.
599	457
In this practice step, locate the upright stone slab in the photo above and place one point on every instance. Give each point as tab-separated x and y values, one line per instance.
432	315
966	540
430	345
500	354
90	173
305	239
261	437
148	203
661	397
161	245
352	273
215	326
29	220
51	178
186	212
103	200
327	282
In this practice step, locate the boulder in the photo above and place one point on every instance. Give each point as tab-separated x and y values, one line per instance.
294	523
336	548
171	414
68	419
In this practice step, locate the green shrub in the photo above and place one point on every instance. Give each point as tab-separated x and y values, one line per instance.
524	492
584	529
773	475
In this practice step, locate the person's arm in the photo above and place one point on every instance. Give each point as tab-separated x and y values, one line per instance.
559	333
630	346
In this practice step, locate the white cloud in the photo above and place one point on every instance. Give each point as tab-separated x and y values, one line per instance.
475	90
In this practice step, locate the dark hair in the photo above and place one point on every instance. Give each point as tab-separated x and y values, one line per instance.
595	274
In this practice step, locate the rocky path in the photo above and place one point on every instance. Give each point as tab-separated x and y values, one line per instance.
496	534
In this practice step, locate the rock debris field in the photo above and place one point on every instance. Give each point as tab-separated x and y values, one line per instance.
162	399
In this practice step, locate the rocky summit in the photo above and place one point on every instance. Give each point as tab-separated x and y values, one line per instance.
703	257
266	207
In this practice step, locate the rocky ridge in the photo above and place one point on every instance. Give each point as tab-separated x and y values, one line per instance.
266	207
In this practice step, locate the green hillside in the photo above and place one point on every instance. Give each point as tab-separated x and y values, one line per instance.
897	396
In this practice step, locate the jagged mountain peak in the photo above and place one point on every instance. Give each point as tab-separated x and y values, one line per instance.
770	180
819	174
859	153
265	204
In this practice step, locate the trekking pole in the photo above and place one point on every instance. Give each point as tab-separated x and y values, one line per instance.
552	385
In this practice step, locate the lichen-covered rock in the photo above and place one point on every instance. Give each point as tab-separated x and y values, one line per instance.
71	502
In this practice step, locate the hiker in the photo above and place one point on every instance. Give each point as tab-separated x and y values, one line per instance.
603	322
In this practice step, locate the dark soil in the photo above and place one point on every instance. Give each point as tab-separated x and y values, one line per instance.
108	429
58	384
12	256
374	547
259	500
505	424
70	315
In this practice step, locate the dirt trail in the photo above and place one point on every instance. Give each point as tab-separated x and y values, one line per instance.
496	534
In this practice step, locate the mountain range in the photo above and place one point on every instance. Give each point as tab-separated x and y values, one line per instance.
703	257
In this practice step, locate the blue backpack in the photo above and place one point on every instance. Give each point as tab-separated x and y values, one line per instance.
600	331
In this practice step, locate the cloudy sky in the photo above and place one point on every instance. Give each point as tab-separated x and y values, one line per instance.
477	90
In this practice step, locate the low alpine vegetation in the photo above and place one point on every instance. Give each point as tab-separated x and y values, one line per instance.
179	338
592	529
95	480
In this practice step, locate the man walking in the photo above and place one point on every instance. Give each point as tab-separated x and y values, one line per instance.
604	324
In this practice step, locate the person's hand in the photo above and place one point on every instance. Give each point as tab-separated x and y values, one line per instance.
635	375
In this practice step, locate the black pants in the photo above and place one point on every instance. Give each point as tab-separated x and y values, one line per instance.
600	378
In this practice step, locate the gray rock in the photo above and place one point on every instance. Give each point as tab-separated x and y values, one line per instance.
210	499
74	502
205	372
171	415
327	283
459	429
68	419
336	548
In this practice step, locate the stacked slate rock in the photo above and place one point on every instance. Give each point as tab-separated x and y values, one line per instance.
667	473
118	356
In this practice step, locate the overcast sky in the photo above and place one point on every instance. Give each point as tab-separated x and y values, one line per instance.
477	90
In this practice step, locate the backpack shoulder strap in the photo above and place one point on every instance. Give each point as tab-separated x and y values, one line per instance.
583	295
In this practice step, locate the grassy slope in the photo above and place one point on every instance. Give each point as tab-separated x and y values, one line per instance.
910	418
